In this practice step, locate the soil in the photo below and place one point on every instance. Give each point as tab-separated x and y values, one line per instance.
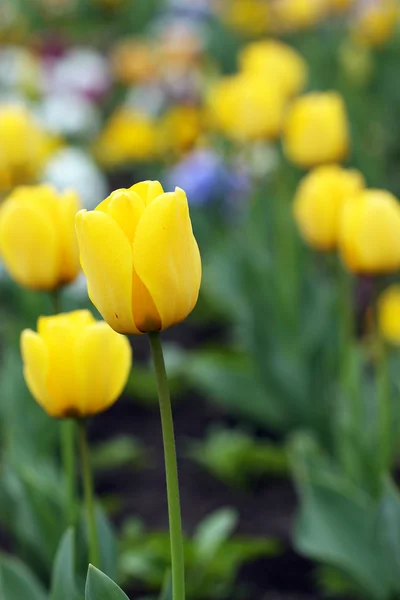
268	509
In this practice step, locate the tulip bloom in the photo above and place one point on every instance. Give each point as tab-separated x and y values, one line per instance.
369	233
37	237
316	130
389	314
247	107
140	258
318	203
277	63
75	366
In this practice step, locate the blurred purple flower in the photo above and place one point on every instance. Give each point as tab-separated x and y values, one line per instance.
206	178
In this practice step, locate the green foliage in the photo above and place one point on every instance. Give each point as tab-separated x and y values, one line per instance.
237	458
345	526
18	582
212	555
63	586
101	587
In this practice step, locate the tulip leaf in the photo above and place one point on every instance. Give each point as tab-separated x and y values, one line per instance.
107	542
166	592
18	582
101	587
213	531
63	585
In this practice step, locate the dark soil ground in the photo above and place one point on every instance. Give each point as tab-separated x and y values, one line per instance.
268	509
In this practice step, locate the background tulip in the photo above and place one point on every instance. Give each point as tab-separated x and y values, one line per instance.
37	238
75	366
277	62
369	233
247	107
316	130
140	257
389	314
319	200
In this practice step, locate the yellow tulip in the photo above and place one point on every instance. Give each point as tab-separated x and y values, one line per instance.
75	366
319	200
389	314
140	258
277	62
341	6
24	147
376	22
248	17
292	15
246	107
128	136
369	233
316	130
37	237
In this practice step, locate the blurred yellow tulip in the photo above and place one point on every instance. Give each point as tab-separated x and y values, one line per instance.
341	6
277	62
376	22
316	130
389	314
369	233
292	15
140	257
75	366
319	201
248	17
246	107
24	147
128	136
37	238
180	128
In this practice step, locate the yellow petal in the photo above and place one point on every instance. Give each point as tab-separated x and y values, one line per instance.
126	208
166	257
36	363
29	246
69	260
106	257
148	190
59	334
103	361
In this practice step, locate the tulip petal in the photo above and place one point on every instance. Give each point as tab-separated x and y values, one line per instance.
106	257
126	208
166	257
103	360
59	334
148	190
29	246
36	364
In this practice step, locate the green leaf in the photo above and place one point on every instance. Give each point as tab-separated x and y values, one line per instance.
101	587
63	585
17	582
213	531
166	593
117	452
107	542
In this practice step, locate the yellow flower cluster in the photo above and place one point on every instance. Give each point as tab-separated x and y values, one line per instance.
251	104
257	17
143	268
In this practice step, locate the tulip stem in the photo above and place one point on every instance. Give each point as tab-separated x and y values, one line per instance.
68	459
89	495
171	470
383	391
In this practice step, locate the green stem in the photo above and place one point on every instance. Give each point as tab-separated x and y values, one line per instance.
171	470
67	440
383	391
89	495
68	458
